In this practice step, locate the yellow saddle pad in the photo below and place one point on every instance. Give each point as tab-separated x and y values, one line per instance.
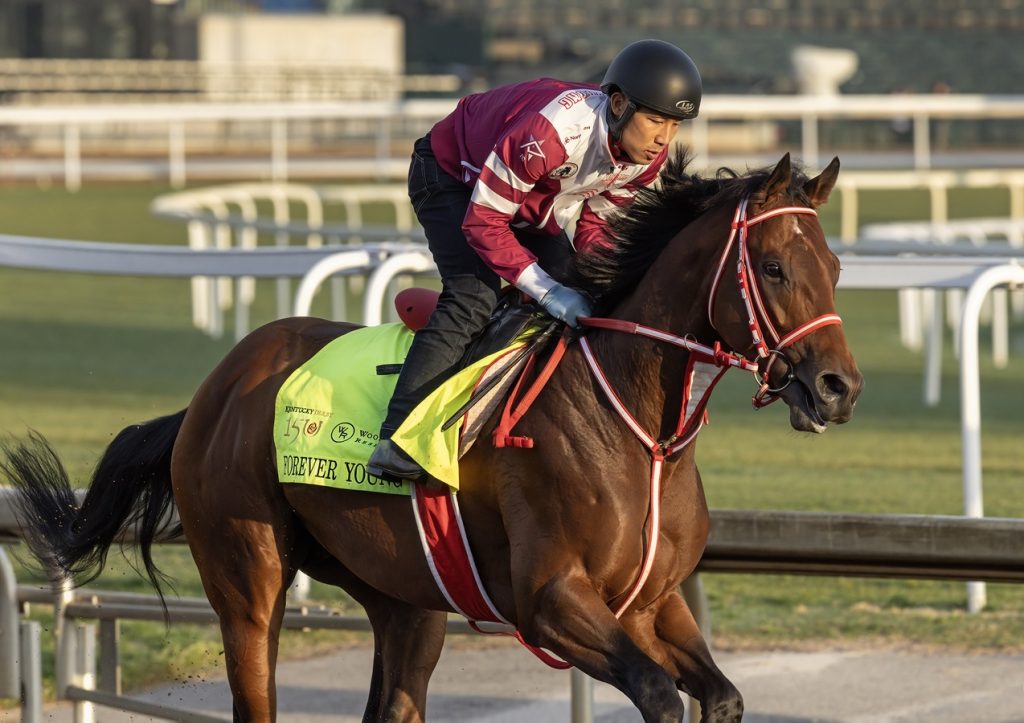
328	413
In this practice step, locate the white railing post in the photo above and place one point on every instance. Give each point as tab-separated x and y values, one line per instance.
199	238
282	215
1000	328
85	669
64	640
970	400
31	672
809	139
176	155
848	221
581	696
922	142
383	275
10	682
279	150
933	346
72	157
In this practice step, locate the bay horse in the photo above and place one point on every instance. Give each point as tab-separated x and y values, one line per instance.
558	531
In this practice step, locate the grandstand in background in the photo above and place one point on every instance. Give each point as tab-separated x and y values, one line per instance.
963	46
921	46
91	52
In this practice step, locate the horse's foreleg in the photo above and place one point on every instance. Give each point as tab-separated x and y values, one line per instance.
668	631
568	617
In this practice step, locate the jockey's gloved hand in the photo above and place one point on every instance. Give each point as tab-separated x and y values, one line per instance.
558	300
566	304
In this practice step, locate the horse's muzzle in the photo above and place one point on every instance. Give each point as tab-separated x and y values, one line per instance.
828	398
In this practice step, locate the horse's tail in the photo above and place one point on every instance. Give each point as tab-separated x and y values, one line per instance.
131	486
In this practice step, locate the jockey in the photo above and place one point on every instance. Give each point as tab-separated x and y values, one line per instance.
497	183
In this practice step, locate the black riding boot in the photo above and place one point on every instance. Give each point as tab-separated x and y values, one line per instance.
463	309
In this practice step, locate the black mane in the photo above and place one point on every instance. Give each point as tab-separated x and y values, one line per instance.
642	230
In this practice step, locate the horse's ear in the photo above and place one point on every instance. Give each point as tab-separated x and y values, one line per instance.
819	187
780	178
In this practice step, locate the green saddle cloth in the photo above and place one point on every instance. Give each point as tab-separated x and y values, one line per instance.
328	413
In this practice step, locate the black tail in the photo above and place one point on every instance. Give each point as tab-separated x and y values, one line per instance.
131	487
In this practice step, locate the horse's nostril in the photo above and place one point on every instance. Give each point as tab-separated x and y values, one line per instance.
831	386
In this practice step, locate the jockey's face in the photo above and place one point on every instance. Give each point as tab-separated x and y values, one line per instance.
646	133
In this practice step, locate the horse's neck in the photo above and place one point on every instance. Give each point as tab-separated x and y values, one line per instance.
671	297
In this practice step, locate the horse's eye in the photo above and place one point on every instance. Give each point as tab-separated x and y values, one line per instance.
772	269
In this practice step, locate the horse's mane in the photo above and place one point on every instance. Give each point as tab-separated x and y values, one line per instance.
640	232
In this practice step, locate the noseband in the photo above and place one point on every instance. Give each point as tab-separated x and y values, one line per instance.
770	345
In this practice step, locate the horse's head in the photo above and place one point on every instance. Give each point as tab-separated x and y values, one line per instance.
778	307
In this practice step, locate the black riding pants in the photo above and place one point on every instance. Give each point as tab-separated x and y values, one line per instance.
469	287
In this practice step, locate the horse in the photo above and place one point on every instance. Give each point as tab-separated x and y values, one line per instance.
562	534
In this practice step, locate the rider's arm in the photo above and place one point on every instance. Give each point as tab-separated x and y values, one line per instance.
525	154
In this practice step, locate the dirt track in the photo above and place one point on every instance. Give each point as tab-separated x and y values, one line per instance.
504	684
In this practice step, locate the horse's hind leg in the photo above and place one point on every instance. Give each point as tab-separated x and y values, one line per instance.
668	631
407	643
245	577
247	548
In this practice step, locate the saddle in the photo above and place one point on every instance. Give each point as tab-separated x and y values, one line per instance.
511	317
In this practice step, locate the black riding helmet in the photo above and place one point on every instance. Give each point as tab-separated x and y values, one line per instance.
656	75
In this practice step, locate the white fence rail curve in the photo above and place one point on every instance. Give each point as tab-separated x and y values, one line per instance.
210	223
965	237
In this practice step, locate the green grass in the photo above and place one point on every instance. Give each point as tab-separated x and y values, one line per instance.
83	356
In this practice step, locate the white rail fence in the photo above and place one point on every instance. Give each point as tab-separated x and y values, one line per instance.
921	310
938	183
225	217
290	123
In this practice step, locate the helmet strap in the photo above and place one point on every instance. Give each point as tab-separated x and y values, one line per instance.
615	125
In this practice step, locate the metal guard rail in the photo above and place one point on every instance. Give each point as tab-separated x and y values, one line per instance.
759	541
906	546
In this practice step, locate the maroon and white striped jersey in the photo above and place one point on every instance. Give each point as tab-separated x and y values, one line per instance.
538	156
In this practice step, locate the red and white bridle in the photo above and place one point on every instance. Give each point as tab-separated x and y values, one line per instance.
766	339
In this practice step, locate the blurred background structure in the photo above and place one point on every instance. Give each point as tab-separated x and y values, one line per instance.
903	46
933	79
